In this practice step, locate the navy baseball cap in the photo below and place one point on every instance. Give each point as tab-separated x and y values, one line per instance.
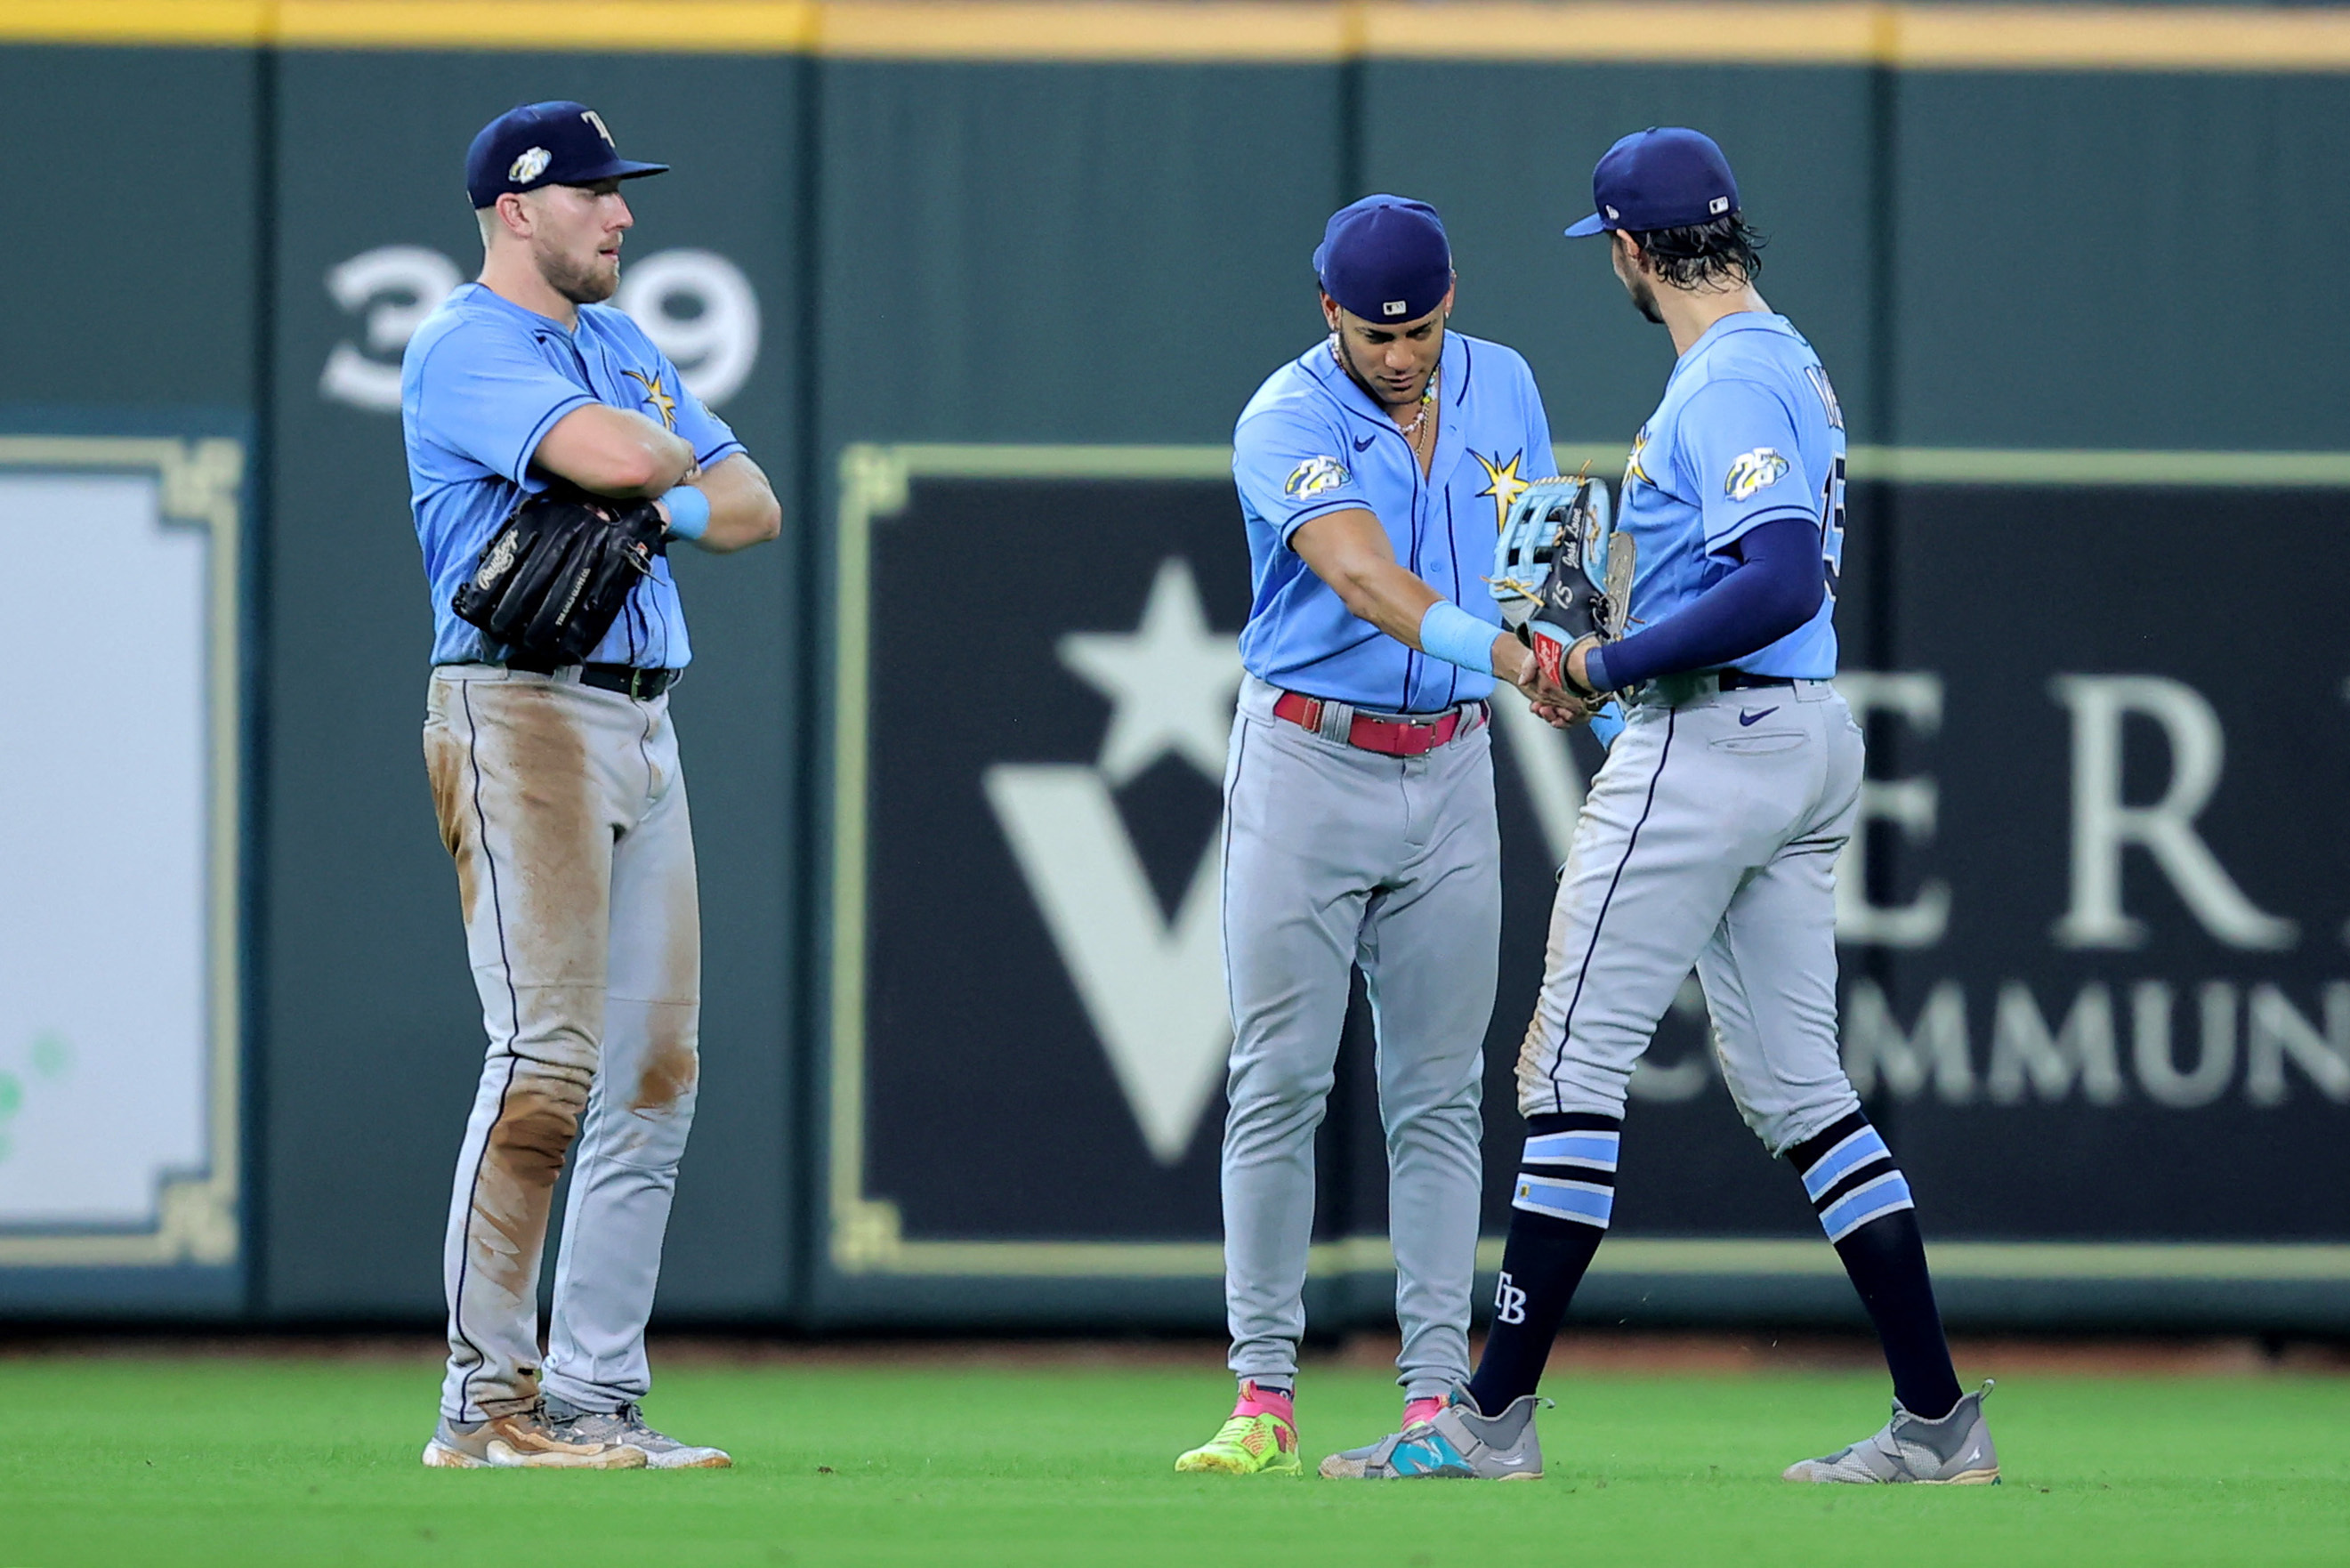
1384	258
553	143
1661	178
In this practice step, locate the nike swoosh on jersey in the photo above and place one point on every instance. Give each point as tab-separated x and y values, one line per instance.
1364	443
1745	718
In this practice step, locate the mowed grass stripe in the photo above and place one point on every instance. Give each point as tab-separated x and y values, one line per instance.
230	1461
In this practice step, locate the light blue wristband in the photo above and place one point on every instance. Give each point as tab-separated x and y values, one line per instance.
1453	635
689	512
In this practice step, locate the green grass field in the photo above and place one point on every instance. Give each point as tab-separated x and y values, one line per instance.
222	1460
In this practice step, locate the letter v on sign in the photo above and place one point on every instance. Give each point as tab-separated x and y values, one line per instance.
1155	991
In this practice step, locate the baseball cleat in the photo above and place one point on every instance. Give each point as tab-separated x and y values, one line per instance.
1455	1443
1953	1451
523	1441
1416	1412
1259	1438
626	1427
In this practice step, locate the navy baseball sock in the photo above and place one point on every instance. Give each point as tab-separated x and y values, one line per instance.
1565	1191
1864	1204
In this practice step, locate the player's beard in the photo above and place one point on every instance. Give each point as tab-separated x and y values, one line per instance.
1373	390
591	282
1644	300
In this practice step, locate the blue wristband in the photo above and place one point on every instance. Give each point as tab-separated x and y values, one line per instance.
1451	633
1595	670
689	512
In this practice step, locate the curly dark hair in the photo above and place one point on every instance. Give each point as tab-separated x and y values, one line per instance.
1704	255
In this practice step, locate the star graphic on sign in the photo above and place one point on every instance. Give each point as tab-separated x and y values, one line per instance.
1170	682
1503	483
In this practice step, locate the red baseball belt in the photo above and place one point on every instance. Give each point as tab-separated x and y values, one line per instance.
1388	737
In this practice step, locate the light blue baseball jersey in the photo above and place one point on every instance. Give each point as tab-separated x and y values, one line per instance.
1312	442
482	383
1748	431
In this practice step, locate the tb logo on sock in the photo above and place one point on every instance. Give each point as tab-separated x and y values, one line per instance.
1509	1303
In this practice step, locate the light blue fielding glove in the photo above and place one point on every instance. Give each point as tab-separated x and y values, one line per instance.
1548	514
1607	723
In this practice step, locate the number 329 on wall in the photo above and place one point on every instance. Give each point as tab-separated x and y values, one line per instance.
696	306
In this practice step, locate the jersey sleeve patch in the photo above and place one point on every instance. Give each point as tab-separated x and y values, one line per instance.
1313	476
1752	472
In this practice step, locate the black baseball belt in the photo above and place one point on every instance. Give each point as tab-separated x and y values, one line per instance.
628	679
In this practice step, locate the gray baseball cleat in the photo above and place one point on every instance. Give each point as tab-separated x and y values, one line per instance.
1456	1443
1953	1451
626	1425
525	1439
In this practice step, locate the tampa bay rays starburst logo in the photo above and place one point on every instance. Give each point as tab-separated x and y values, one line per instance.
657	395
1502	483
1632	469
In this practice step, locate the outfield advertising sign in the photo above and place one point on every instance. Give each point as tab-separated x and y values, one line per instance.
2091	919
120	968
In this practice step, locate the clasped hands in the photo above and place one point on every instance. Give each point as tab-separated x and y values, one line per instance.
1559	706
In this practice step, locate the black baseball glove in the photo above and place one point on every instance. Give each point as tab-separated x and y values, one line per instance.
1568	611
553	579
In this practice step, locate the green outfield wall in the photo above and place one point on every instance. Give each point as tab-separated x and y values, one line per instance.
982	289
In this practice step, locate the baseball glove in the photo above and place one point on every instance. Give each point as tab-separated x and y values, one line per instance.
1561	573
553	577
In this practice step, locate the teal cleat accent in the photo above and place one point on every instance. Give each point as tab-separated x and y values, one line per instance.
1456	1443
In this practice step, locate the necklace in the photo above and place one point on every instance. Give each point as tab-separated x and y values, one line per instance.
1426	401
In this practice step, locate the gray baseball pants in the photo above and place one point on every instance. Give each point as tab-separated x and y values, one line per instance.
1335	858
1709	840
566	813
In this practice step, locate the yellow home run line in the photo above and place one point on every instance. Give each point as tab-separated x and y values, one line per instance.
1716	32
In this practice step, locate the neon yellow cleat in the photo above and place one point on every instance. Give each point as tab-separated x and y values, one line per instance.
1260	1438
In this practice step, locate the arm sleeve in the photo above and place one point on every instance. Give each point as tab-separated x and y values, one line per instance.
1775	587
711	438
491	397
1739	438
1292	469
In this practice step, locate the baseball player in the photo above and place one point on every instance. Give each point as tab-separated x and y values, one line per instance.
559	796
1709	840
1373	471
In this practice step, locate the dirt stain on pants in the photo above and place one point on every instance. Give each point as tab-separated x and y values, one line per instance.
564	810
